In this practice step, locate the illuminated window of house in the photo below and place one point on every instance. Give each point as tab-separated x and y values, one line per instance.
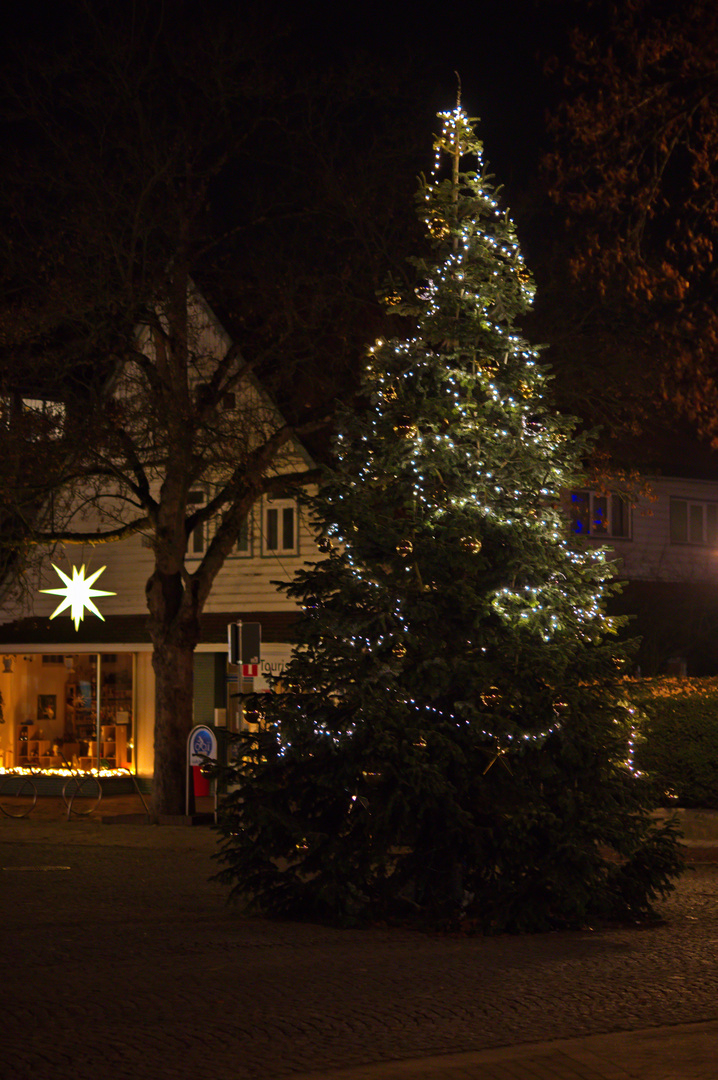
280	531
694	522
599	515
33	418
53	410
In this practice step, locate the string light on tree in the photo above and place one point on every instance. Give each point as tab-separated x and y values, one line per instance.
450	617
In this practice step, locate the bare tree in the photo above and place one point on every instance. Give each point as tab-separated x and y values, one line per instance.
149	152
186	414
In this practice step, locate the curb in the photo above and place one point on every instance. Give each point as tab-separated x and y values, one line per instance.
683	1052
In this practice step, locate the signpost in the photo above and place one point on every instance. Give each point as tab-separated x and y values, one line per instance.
201	744
244	642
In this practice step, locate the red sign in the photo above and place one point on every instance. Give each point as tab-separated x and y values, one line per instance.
250	671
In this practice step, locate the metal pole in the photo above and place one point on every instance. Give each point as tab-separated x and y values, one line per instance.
239	710
188	780
97	708
134	732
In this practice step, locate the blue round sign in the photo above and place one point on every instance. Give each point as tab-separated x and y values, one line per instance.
202	744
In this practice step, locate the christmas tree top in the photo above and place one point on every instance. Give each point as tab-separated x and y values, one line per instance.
459	455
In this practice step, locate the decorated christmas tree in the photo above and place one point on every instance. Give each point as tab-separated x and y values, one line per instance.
449	741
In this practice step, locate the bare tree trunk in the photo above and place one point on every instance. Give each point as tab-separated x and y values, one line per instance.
174	628
173	663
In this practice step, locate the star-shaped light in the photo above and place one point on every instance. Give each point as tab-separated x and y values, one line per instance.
78	592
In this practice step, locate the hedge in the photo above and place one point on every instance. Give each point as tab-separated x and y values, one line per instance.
677	743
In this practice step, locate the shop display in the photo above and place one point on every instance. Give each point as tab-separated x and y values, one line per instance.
59	712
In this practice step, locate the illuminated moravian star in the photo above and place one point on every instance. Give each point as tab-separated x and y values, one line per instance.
78	593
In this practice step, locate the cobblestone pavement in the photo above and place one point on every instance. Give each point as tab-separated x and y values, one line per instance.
120	958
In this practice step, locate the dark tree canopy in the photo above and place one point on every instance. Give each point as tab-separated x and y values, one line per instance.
633	172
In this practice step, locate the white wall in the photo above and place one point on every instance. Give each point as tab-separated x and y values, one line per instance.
649	555
243	584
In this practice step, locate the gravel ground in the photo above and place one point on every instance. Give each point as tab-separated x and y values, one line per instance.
119	957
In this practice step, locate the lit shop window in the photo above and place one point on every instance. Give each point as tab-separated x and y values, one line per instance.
33	418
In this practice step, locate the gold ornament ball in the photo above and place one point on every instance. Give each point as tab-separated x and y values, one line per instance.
404	548
405	428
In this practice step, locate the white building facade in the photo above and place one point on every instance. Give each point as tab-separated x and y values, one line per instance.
60	685
665	543
80	693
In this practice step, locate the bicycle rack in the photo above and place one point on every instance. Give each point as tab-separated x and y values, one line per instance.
80	779
24	781
136	786
83	778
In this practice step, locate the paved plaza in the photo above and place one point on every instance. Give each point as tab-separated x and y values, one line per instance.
121	959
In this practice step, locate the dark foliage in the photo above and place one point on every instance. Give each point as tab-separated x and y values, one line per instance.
678	750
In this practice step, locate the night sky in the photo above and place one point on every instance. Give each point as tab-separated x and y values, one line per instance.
497	46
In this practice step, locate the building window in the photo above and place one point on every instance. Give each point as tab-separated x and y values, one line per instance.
694	522
280	535
243	547
33	418
202	534
53	410
198	538
598	515
202	394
